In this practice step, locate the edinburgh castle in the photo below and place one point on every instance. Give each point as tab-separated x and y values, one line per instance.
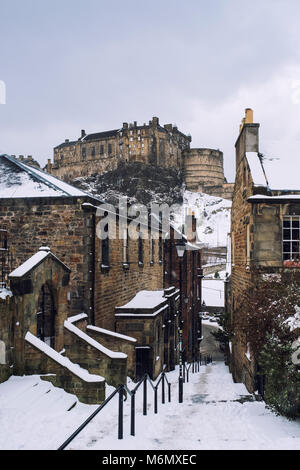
153	144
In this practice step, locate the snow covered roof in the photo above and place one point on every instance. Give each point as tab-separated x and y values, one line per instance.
145	299
18	180
273	172
144	303
34	261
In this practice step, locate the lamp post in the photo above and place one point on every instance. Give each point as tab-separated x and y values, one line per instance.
180	247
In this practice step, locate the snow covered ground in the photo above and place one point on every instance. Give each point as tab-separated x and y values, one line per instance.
34	415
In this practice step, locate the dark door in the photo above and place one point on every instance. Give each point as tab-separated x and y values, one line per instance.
142	362
46	316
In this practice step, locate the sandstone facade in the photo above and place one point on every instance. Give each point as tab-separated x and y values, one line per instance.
257	241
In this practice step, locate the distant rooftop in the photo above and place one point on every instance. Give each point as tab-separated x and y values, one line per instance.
18	180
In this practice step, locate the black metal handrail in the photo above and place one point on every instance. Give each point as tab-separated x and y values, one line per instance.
78	430
122	389
195	365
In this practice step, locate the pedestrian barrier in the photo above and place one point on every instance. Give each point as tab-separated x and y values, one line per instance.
123	392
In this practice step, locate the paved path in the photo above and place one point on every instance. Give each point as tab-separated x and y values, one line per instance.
216	414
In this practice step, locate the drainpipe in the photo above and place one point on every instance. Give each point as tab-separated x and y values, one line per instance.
92	263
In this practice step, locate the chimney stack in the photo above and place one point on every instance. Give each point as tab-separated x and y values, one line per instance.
191	226
155	121
248	139
83	134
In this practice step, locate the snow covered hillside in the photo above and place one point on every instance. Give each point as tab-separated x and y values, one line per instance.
146	184
213	217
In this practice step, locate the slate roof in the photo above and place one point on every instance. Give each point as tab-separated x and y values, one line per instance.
18	180
275	174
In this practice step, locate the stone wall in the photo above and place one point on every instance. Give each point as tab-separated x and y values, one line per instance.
59	223
118	284
242	226
6	338
36	362
25	307
96	362
115	343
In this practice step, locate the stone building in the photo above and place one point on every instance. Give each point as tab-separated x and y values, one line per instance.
102	151
204	172
189	270
152	144
265	233
83	301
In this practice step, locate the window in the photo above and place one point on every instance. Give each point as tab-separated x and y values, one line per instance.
291	238
3	239
248	245
105	254
109	148
151	248
170	262
141	248
83	153
93	152
101	149
125	249
160	250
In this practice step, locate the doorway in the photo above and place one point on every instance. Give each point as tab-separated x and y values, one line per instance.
46	316
142	362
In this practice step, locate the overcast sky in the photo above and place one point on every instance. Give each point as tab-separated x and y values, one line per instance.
91	64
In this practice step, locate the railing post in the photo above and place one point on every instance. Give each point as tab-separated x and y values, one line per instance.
183	372
169	392
145	396
163	389
180	382
187	374
155	400
132	422
120	422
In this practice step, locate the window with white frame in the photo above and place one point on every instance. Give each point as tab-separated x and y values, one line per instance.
291	238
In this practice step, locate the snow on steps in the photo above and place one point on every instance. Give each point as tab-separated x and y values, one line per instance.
84	337
63	361
111	333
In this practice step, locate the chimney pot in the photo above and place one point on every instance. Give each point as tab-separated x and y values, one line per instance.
248	116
